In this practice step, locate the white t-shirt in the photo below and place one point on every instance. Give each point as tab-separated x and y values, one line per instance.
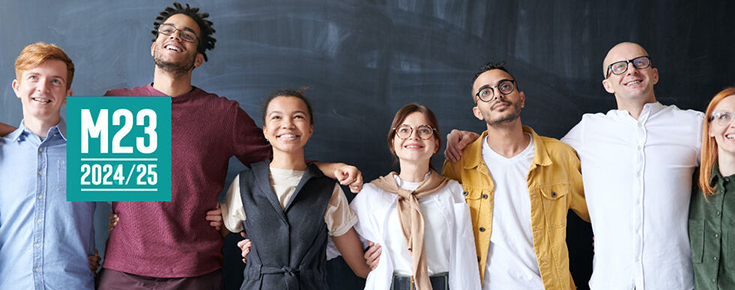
511	258
435	233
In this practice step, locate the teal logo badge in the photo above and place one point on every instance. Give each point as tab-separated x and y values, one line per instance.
118	148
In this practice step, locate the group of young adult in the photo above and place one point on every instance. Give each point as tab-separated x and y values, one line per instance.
495	218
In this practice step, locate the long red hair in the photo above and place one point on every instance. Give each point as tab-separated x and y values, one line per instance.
709	145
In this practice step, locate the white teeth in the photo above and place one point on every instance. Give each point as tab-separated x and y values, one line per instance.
288	136
413	146
173	48
42	100
633	83
729	136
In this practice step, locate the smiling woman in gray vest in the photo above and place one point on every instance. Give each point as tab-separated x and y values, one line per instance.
291	207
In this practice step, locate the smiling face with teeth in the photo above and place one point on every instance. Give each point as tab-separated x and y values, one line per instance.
171	53
413	149
724	135
287	125
42	91
634	85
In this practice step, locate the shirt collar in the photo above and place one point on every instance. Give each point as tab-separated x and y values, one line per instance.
24	131
541	156
649	109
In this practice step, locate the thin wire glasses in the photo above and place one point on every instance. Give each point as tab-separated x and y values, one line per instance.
186	35
722	118
424	131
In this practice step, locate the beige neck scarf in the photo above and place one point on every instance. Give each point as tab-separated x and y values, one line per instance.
412	221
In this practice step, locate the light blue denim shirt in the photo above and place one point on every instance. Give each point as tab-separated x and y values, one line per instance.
44	240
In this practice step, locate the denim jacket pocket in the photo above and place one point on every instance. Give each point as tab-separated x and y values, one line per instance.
696	239
554	199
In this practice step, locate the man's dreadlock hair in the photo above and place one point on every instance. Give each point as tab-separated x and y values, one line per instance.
206	41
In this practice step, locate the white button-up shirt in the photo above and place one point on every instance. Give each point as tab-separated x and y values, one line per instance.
638	180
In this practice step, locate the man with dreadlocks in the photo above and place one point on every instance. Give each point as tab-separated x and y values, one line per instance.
170	245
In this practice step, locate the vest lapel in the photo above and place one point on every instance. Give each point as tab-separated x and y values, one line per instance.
311	172
262	180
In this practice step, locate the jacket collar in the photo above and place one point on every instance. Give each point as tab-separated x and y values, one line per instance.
474	150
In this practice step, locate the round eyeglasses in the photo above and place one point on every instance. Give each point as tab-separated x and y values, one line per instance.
620	67
424	131
722	118
188	36
487	94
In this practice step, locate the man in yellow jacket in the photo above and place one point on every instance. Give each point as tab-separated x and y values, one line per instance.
520	187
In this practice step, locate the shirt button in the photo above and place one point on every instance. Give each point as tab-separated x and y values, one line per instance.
39	221
639	147
38	245
465	193
40	149
534	196
553	194
713	280
40	172
484	196
717	235
718	212
38	269
640	125
715	258
482	229
40	196
478	259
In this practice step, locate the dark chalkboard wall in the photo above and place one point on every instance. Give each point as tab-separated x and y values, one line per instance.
363	60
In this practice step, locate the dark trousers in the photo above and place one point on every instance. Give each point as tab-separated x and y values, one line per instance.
116	280
438	282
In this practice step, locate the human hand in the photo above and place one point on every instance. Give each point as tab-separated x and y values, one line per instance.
215	218
94	261
456	141
114	218
349	175
372	255
244	246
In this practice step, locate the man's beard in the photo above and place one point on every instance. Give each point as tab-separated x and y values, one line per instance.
506	119
173	68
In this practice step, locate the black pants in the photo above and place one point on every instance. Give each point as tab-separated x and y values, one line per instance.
438	282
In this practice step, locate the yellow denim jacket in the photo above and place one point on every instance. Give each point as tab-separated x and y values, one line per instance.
555	186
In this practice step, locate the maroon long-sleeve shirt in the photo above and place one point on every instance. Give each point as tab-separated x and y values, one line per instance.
173	239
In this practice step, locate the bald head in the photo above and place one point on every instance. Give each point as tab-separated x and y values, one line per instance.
622	51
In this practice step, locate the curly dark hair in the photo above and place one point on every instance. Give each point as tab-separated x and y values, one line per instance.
206	41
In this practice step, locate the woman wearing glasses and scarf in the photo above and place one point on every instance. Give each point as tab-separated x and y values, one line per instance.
418	216
712	209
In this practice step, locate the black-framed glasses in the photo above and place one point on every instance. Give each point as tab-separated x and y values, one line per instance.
487	94
722	118
620	67
168	29
424	131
